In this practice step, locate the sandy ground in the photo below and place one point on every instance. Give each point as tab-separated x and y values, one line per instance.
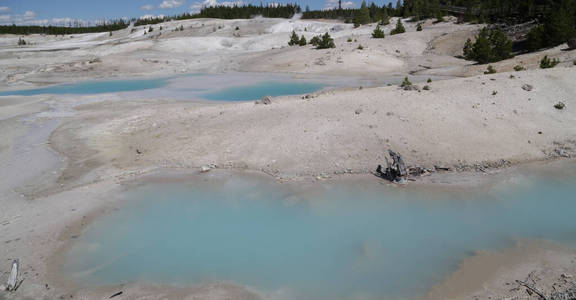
62	157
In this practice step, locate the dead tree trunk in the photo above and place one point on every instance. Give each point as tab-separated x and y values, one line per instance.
395	172
13	279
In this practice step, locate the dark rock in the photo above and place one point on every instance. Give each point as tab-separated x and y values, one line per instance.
560	105
527	87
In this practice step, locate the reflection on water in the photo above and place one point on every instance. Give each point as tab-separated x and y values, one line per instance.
337	242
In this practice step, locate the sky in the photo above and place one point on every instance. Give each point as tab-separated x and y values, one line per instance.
62	12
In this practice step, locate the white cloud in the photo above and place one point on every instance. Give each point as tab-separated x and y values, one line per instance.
29	15
28	18
147	7
171	3
196	6
329	4
4	9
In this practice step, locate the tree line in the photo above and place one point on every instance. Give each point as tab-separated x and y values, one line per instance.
63	30
231	12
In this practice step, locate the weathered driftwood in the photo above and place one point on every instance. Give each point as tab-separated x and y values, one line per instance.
395	171
13	279
532	289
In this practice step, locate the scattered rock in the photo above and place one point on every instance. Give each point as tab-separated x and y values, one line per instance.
358	111
442	168
560	105
527	87
411	88
266	100
426	88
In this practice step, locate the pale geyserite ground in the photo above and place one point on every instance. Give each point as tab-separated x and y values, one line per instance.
61	158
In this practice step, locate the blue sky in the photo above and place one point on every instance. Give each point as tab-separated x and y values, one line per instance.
61	12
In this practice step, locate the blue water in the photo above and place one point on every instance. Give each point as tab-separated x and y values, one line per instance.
337	242
188	86
93	87
259	90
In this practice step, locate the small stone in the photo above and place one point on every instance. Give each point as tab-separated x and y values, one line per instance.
560	105
527	87
205	169
426	88
358	111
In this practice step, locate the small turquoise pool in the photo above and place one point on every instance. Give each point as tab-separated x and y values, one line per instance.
93	87
259	90
212	87
337	241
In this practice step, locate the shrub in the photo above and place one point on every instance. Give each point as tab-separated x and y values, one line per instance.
181	27
406	82
302	41
429	80
490	70
574	62
326	41
360	47
150	29
547	63
378	33
399	28
349	40
519	68
419	28
294	39
237	28
21	42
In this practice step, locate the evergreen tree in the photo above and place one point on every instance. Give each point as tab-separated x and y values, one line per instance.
326	42
378	33
399	28
385	18
481	50
314	41
501	45
302	41
419	28
399	8
362	16
294	39
469	50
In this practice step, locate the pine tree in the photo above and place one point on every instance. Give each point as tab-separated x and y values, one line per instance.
362	16
326	42
469	50
294	39
378	33
399	28
419	28
385	18
302	41
500	44
481	50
